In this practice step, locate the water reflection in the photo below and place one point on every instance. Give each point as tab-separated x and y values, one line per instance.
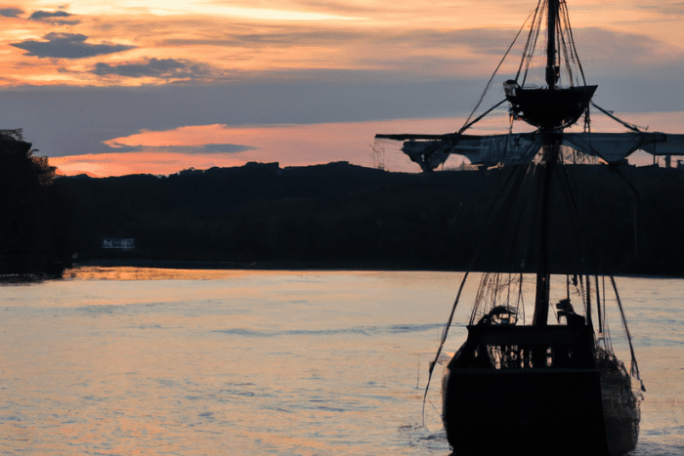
147	361
135	273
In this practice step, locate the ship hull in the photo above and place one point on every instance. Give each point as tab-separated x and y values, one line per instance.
620	411
490	412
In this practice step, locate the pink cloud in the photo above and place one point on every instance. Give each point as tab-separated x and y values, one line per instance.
301	145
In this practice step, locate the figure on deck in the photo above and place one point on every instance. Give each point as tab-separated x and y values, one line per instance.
566	310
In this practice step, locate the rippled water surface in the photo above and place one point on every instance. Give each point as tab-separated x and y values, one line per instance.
156	362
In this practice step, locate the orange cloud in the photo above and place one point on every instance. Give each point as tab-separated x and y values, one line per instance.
119	164
241	40
290	145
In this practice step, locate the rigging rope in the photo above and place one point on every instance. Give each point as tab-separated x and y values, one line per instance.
568	68
564	9
466	125
444	336
480	117
529	38
630	126
567	41
598	305
634	368
445	333
521	299
530	52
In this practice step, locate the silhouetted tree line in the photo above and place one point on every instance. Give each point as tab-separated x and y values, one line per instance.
334	215
260	212
341	215
32	237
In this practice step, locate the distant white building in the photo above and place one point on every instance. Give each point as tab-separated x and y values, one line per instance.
118	243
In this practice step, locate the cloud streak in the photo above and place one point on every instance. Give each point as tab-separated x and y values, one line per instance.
11	12
203	149
208	45
168	69
40	15
68	46
289	145
666	8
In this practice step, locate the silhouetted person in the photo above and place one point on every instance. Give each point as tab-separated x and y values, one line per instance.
566	310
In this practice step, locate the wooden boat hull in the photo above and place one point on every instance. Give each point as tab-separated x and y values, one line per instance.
621	413
559	411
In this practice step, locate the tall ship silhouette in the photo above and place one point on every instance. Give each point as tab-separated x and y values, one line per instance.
547	383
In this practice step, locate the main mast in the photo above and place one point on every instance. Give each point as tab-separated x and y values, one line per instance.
550	109
551	137
551	68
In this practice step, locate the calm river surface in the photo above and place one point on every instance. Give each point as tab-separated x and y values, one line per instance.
125	361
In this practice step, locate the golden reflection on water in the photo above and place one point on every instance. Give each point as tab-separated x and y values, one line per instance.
138	273
144	273
211	362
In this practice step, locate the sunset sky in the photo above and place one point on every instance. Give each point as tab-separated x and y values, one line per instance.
149	86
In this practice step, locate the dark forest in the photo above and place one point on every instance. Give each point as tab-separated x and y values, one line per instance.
326	216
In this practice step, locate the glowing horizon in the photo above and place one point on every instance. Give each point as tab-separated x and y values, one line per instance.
349	46
298	145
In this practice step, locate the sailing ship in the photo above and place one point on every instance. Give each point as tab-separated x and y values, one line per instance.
540	387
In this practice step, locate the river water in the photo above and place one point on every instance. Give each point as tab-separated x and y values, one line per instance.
127	361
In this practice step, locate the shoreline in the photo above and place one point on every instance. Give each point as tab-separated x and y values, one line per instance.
274	265
294	265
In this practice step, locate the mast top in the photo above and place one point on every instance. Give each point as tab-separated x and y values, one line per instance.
552	108
552	70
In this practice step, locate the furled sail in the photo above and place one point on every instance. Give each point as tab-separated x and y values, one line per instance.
430	151
486	150
613	147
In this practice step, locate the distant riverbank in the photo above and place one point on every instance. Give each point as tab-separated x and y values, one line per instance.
349	265
300	266
341	216
344	217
